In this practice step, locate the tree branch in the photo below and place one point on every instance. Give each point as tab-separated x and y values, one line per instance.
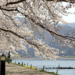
16	2
41	25
14	33
6	9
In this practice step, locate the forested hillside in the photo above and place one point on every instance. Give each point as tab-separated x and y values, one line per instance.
64	51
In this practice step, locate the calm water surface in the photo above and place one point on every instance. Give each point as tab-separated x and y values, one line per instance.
39	63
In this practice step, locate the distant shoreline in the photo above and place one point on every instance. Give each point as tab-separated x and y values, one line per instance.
42	58
65	58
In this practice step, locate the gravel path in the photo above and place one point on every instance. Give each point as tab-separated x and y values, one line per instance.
12	69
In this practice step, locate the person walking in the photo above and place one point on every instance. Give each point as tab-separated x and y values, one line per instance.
9	57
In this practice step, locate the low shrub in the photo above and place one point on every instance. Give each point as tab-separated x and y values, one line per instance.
52	72
10	60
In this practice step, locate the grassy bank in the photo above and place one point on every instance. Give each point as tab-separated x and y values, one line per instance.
31	67
44	59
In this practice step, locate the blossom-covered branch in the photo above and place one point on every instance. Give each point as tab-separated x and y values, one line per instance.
36	17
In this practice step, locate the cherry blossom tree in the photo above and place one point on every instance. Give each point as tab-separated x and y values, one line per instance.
39	16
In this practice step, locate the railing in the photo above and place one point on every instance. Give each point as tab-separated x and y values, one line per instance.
35	67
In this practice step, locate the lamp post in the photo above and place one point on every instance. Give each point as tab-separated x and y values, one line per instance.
2	64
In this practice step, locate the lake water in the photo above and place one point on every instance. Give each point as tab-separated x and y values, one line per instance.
39	63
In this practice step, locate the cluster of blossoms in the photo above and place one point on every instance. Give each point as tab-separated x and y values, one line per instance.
38	17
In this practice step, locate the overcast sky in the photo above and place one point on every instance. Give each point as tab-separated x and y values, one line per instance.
71	17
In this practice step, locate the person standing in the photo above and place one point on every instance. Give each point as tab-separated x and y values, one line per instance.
9	57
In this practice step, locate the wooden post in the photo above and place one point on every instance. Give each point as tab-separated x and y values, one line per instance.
36	67
43	68
27	64
57	71
2	59
0	67
31	66
19	63
22	63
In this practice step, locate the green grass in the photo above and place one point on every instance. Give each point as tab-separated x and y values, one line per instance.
52	72
35	68
16	55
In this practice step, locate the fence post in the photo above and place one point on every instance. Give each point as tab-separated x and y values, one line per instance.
27	64
31	66
57	71
0	67
19	63
36	67
22	63
2	64
43	68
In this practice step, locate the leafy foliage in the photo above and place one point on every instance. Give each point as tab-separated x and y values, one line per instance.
7	59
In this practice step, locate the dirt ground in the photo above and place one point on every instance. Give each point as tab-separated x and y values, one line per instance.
12	69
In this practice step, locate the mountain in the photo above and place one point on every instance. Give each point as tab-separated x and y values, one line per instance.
64	51
70	25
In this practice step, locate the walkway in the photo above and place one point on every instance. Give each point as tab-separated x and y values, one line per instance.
18	70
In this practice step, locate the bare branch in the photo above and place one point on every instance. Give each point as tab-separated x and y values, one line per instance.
42	26
16	2
7	9
14	33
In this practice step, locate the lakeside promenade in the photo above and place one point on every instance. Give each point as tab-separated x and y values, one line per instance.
12	69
